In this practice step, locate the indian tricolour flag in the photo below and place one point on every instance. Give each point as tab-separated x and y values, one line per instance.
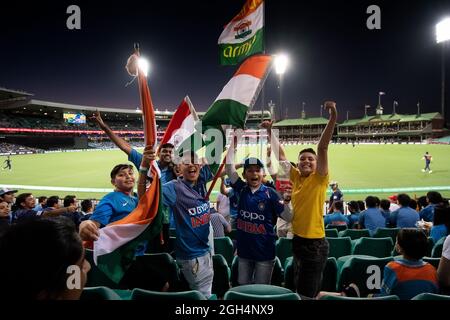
243	36
115	249
240	94
182	124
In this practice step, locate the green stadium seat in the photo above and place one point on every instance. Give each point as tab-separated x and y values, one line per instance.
386	232
437	249
331	233
96	277
139	294
232	234
339	228
433	261
283	249
277	274
231	295
330	297
339	247
224	246
289	274
376	247
431	296
260	289
355	269
222	273
354	233
99	293
172	232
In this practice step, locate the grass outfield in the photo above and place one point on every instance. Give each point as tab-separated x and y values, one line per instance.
357	169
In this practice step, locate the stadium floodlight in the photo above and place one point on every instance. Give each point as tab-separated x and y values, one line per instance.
443	30
281	63
443	36
143	65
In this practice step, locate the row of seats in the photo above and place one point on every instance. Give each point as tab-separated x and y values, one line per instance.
342	231
248	292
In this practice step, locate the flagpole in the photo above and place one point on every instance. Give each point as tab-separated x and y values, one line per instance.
263	97
218	173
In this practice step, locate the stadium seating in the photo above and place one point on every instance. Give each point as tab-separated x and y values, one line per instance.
99	293
355	269
354	233
277	274
338	227
222	273
437	249
224	246
232	295
139	294
430	296
232	234
376	247
330	297
339	247
386	232
283	249
331	233
433	261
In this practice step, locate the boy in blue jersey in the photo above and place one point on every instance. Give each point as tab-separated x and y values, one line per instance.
259	207
404	217
191	212
336	218
428	158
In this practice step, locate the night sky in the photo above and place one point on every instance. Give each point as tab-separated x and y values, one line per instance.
332	53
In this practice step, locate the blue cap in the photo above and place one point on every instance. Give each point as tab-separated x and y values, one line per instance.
252	161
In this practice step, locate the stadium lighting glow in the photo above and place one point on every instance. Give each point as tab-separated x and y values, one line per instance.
143	65
443	30
281	63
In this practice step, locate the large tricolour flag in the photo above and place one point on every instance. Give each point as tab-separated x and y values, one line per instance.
182	124
243	36
115	249
240	93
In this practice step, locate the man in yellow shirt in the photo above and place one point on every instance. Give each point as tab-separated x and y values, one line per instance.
309	185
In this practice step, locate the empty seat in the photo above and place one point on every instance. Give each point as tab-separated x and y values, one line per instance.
357	269
99	293
331	233
354	233
339	247
431	296
140	294
231	295
222	273
283	249
376	247
437	248
224	246
386	232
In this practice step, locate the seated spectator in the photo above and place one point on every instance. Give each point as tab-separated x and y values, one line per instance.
42	202
413	204
51	247
5	218
433	198
336	218
422	202
353	218
219	224
444	268
394	205
372	218
362	205
441	223
384	207
87	208
76	216
23	209
410	275
7	195
404	217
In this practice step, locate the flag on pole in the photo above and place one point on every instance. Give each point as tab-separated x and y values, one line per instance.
240	94
182	124
243	36
115	249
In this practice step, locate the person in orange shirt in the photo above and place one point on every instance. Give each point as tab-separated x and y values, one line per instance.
310	181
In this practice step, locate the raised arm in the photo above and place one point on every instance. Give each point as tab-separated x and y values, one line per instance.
118	141
230	168
327	134
275	146
147	157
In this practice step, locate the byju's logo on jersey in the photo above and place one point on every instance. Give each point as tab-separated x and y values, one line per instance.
204	208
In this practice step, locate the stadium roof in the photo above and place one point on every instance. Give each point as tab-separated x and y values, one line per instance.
8	95
392	118
301	122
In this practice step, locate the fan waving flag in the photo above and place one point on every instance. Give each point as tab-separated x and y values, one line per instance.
240	94
115	249
243	36
182	124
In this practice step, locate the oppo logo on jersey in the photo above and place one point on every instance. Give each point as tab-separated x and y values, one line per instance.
199	210
251	215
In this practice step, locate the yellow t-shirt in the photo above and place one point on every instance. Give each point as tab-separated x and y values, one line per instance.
308	197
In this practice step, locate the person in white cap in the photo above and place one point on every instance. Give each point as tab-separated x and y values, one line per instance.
336	195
